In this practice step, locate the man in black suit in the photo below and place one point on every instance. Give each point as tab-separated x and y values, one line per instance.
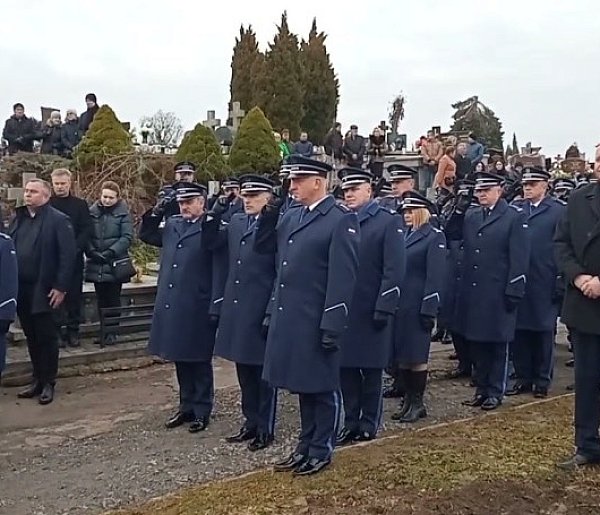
45	245
577	245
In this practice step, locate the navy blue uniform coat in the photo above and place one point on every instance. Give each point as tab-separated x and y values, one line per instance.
9	278
180	326
496	261
317	263
541	304
249	283
423	285
381	267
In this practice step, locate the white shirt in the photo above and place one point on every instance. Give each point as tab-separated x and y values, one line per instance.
315	204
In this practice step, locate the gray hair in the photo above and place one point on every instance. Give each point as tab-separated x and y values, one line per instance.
44	184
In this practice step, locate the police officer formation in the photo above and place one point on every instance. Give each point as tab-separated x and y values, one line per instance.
318	294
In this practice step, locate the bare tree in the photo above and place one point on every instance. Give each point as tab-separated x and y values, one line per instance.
161	128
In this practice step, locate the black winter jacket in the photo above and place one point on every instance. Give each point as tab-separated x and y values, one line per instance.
52	140
71	135
334	143
20	133
112	235
86	119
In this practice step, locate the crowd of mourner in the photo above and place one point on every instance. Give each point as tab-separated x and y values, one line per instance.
318	290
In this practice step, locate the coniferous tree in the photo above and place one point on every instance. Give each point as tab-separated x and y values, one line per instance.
200	146
474	116
244	69
320	84
105	137
254	148
283	93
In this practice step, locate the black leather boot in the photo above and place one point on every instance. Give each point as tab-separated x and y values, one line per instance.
406	378
416	410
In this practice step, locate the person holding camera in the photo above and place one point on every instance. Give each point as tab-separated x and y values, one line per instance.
108	248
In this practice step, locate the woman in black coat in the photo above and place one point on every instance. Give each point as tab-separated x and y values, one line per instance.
419	303
111	239
71	135
377	150
52	136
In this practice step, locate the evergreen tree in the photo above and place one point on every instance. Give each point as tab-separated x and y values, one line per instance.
243	69
321	86
200	146
474	116
283	93
105	137
254	148
515	147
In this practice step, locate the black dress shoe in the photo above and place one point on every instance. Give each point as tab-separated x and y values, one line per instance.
199	424
438	336
576	461
570	363
292	462
540	393
33	390
389	392
311	466
453	356
261	441
345	437
365	436
47	395
519	389
475	402
243	435
179	419
457	373
491	403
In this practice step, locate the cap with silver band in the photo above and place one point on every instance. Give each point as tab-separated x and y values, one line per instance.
414	200
298	166
534	175
350	177
401	172
188	190
252	183
486	180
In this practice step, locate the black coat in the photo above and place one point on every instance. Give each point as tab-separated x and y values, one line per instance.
20	133
463	166
112	229
352	146
70	135
87	118
577	246
57	242
334	143
52	140
78	211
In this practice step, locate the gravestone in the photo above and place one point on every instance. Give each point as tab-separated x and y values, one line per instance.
236	115
212	122
224	136
27	176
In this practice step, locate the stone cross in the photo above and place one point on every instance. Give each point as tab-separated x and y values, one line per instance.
212	122
236	115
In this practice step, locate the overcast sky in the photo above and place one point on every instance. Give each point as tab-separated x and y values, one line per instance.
536	63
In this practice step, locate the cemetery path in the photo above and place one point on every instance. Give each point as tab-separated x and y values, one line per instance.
102	444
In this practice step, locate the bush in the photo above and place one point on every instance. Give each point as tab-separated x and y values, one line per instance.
105	138
200	146
254	148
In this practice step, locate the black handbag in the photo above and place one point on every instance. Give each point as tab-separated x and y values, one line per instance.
123	269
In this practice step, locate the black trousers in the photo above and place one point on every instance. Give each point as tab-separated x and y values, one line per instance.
363	399
259	399
108	295
376	168
533	357
70	312
587	393
319	417
196	387
491	367
41	334
463	353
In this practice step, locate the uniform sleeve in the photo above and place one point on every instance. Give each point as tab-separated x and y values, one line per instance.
341	274
85	227
394	267
150	231
9	277
564	252
436	273
519	246
265	241
214	233
67	250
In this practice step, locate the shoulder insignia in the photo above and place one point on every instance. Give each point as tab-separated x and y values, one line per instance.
516	208
343	208
351	230
436	229
5	236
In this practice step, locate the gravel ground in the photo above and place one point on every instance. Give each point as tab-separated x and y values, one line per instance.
134	458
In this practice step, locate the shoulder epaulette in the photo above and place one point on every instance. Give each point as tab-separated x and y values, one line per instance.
343	208
5	236
436	229
516	208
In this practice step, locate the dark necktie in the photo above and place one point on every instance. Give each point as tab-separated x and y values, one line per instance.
303	213
486	212
532	208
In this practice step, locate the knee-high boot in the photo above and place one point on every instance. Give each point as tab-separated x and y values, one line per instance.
416	410
407	382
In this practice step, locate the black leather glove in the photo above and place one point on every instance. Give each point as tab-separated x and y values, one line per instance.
427	322
266	323
380	320
213	320
96	257
108	255
222	204
4	325
329	342
511	303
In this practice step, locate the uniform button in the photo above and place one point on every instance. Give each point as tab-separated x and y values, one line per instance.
272	298
235	301
237	281
239	261
474	284
174	265
474	267
479	234
290	242
167	306
476	251
284	263
281	285
179	246
243	243
171	285
280	308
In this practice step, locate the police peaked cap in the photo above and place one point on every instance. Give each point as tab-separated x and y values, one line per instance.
535	174
251	183
485	180
185	167
298	166
187	190
401	172
351	176
231	182
414	200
